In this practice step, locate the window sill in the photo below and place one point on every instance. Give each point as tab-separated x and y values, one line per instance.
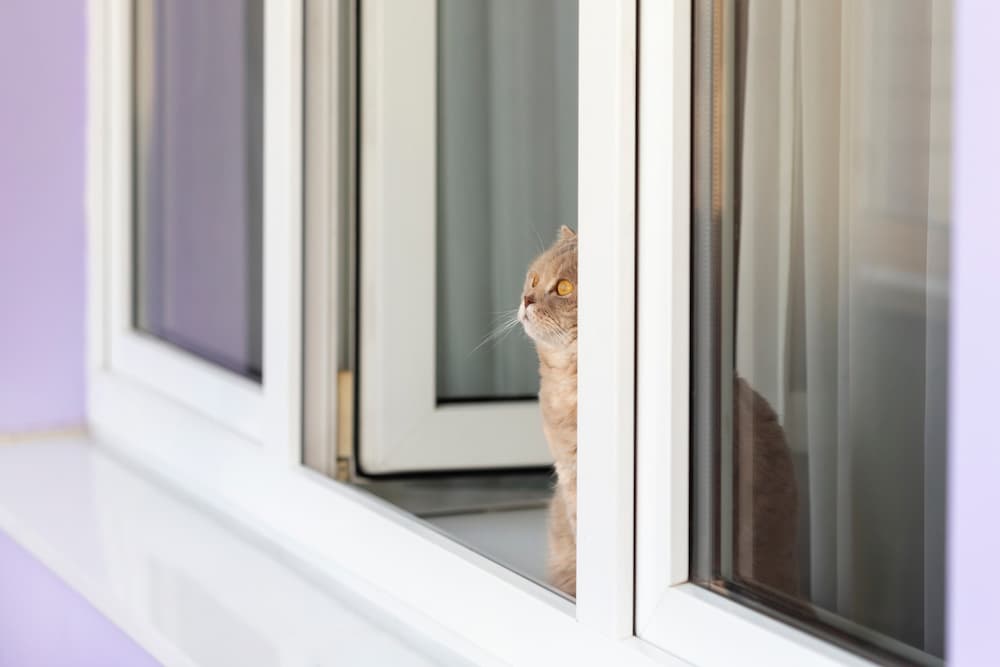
178	579
446	591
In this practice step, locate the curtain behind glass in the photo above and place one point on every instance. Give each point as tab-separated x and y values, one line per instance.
507	95
198	177
843	291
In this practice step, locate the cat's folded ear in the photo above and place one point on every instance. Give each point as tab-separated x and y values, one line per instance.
565	233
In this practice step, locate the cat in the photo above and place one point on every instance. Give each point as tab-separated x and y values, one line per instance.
766	500
548	314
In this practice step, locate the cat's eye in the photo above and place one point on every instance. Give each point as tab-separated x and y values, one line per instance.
564	288
534	280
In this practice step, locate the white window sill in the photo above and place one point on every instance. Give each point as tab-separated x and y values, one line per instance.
180	580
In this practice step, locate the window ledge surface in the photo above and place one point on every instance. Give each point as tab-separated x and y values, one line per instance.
189	588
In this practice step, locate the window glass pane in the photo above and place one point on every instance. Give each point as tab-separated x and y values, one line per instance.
198	85
506	180
440	160
822	203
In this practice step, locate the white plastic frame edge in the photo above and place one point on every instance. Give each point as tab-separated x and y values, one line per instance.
323	201
606	386
694	624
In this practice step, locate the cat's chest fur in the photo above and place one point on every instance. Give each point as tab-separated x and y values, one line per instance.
557	398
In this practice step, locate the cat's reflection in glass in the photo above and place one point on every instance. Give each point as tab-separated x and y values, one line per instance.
765	496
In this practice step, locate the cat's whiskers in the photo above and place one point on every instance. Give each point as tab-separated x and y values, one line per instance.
508	323
541	243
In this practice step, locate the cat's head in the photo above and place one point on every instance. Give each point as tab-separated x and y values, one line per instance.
548	300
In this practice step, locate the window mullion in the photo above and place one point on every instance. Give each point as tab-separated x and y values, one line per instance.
605	414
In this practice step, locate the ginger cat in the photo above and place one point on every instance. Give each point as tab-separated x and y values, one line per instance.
548	314
766	503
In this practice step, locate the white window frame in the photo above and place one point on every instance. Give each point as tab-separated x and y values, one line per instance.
398	269
135	380
220	394
698	626
630	571
328	181
336	529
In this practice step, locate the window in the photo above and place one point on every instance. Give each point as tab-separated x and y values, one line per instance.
820	315
773	494
177	180
386	171
467	166
198	90
462	167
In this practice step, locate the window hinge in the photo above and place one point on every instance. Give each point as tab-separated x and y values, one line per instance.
345	425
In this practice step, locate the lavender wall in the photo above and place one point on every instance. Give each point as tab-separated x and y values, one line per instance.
42	116
974	529
42	122
42	623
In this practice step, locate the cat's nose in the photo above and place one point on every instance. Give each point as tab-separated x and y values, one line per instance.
528	300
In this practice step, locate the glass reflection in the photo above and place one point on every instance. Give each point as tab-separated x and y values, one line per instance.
198	142
840	234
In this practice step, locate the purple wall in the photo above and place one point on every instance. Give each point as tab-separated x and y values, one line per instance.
42	117
42	125
44	624
974	475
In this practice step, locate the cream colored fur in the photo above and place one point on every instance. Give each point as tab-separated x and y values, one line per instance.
550	320
766	503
